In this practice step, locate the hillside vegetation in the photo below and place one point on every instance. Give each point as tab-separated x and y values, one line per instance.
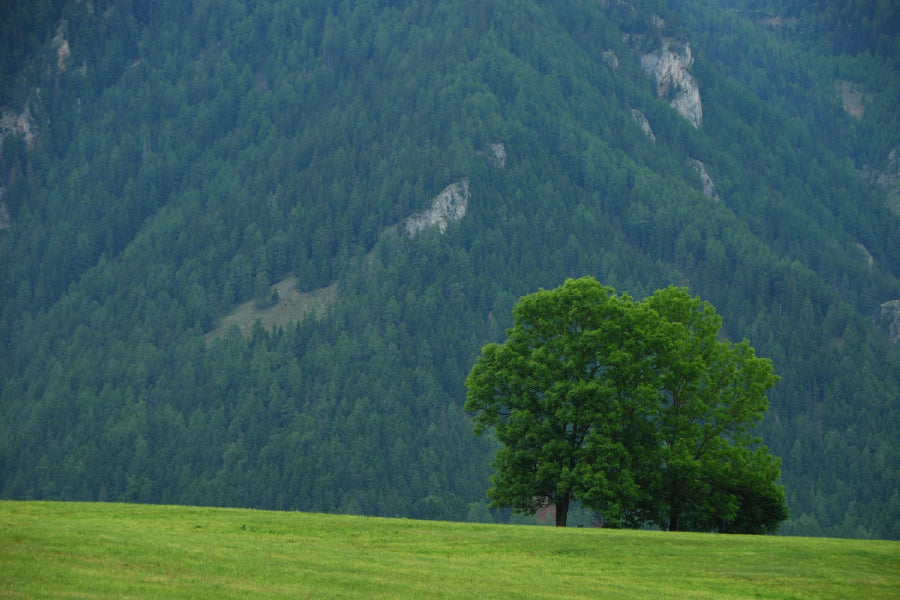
165	164
114	551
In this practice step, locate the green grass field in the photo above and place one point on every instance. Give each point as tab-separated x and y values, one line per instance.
87	550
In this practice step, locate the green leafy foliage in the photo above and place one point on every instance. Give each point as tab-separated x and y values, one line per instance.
634	409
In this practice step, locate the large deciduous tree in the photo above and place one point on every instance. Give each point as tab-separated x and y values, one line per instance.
634	409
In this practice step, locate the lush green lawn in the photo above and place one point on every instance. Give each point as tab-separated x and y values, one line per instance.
73	550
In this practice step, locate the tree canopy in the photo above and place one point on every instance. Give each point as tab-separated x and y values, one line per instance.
633	409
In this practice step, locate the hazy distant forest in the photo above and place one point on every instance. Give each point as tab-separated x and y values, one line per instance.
165	162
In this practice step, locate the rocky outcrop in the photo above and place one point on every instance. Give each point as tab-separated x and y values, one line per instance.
870	260
670	68
497	154
889	179
61	45
889	320
709	186
609	57
643	122
12	123
447	207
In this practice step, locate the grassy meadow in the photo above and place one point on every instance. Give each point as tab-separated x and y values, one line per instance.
89	550
292	306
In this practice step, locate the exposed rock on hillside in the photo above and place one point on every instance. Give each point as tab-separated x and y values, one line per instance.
447	207
643	122
498	154
61	45
852	98
889	178
870	260
709	186
12	123
669	66
609	57
890	320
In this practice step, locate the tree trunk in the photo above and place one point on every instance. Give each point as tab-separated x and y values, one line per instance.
673	521
562	510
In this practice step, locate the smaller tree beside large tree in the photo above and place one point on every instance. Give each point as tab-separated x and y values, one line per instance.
633	409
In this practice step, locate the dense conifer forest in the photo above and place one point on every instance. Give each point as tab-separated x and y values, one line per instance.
164	164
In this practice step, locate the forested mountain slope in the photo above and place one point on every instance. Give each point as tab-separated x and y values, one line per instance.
164	163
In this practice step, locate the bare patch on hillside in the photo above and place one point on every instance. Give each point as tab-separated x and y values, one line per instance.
498	155
12	123
61	45
889	178
890	320
669	66
609	57
852	98
709	186
292	307
644	124
447	207
870	260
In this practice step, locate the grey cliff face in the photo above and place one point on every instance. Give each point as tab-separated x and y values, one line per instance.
670	68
